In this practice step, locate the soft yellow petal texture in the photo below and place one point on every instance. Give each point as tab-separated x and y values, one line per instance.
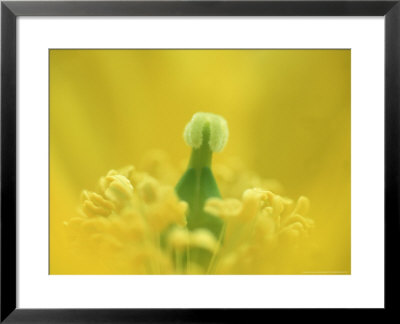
288	113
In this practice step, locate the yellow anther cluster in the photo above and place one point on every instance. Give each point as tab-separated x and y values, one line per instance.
258	227
134	223
123	221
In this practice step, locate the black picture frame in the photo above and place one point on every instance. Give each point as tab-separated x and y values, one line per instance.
11	10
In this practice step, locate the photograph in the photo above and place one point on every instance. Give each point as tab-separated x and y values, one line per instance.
199	161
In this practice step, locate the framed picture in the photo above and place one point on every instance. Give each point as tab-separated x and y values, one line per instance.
186	161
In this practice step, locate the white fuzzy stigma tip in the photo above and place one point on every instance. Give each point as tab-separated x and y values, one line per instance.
218	128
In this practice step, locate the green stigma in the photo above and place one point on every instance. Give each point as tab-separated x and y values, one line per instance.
207	128
205	133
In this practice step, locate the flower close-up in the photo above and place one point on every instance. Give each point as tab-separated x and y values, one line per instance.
199	162
136	223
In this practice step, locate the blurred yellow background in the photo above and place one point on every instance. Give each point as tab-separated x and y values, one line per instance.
288	113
